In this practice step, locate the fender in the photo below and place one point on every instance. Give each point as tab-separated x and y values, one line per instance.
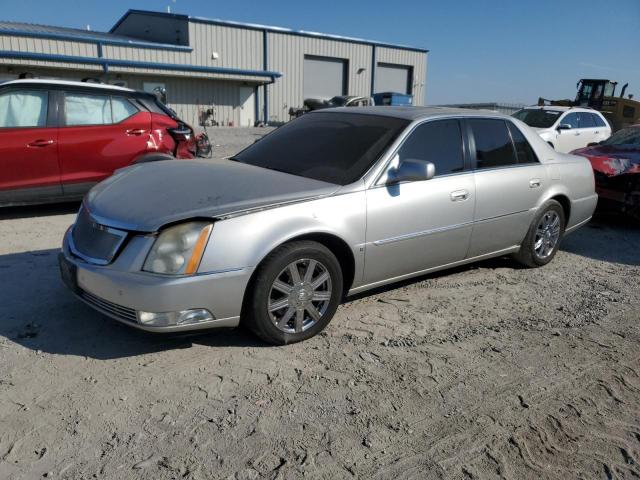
243	242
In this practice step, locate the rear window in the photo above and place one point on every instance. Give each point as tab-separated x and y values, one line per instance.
493	143
524	152
331	147
598	120
586	120
89	109
537	118
627	136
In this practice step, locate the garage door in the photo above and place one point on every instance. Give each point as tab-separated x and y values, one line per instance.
393	78
324	77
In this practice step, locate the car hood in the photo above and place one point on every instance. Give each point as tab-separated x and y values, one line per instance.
611	160
147	196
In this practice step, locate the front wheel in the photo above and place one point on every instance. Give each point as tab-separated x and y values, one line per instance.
295	293
543	238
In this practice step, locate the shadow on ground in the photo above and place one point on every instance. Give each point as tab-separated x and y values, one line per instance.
39	313
39	210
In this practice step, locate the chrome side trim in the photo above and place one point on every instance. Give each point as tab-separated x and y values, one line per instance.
577	226
421	234
497	253
408	236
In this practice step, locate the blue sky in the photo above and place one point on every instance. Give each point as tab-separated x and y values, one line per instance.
480	50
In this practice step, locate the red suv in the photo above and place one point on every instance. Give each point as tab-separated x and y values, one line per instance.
59	138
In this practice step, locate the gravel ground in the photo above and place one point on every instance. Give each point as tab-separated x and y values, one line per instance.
487	371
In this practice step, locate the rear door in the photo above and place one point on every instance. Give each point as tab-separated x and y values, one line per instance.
508	182
29	170
603	130
100	133
588	129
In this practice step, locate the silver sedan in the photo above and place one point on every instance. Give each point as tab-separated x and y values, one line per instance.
331	204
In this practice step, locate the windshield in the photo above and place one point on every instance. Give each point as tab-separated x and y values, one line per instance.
331	147
538	118
626	136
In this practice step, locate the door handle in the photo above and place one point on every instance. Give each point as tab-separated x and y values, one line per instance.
597	131
135	131
534	183
40	143
459	195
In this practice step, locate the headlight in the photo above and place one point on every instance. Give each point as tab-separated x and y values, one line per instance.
178	250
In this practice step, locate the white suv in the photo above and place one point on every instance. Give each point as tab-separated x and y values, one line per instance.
566	128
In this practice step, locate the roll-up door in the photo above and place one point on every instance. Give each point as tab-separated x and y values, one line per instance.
324	77
393	78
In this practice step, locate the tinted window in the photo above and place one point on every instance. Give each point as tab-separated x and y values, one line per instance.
524	152
81	109
122	109
26	108
598	120
537	117
493	143
586	120
330	147
437	142
571	119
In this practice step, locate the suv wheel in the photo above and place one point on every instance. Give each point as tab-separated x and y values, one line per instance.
295	293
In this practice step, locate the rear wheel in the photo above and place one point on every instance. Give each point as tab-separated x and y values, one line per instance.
295	293
543	238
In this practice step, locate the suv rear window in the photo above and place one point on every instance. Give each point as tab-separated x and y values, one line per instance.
586	120
89	109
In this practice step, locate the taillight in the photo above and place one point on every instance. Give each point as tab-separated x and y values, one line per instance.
181	133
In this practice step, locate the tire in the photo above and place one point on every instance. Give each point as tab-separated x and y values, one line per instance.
285	311
545	221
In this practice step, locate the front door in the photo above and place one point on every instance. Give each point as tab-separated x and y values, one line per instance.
569	140
29	170
415	226
100	134
247	106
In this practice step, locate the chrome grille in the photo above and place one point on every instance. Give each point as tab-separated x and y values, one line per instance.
93	242
124	313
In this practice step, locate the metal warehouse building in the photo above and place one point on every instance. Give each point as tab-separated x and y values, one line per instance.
239	73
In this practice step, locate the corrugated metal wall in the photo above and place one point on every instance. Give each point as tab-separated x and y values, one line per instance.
236	47
286	54
188	96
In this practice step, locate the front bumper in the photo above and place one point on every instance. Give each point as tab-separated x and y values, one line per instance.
121	294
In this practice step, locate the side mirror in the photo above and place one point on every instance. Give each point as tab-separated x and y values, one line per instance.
564	126
411	170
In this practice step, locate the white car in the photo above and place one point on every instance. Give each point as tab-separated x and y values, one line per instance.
566	128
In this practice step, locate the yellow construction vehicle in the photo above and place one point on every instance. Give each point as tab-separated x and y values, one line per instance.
600	95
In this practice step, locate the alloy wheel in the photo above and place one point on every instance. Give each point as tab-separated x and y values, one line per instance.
547	234
300	295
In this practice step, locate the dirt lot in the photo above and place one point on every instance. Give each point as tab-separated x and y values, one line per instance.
487	371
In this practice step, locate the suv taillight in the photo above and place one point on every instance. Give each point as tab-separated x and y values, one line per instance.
182	133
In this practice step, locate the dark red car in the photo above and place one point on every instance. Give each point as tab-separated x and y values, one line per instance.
616	167
59	138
